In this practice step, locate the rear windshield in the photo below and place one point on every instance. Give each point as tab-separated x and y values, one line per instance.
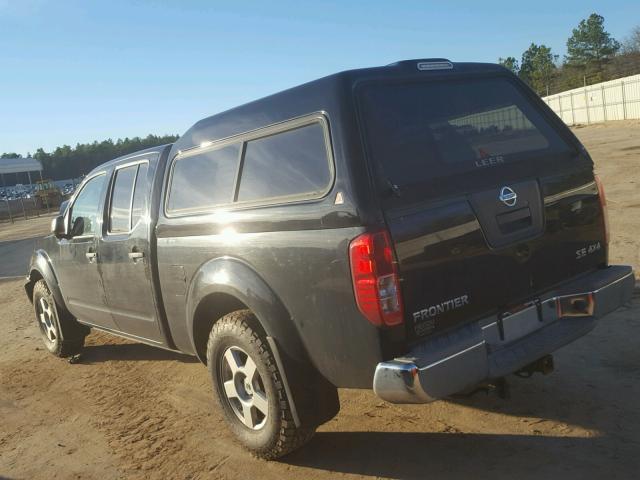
422	131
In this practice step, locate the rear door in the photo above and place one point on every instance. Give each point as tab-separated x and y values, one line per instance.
124	250
486	198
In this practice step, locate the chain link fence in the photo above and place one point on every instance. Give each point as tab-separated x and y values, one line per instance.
23	209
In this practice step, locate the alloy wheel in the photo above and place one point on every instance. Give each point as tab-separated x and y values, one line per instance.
244	388
46	320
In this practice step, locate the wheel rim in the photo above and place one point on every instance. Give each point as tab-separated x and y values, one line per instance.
243	388
46	320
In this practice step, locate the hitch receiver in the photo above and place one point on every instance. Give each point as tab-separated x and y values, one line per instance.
543	365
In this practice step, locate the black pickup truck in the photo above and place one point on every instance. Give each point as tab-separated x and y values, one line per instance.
418	229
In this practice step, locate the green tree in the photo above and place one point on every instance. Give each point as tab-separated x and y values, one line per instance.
70	162
631	44
510	63
590	47
538	67
10	155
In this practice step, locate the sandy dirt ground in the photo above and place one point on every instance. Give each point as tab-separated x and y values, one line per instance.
131	411
25	228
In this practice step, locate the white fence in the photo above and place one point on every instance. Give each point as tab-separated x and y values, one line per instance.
613	100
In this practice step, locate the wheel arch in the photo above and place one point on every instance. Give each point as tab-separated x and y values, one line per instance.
223	285
226	284
210	310
40	268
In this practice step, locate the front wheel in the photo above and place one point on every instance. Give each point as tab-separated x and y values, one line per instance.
249	388
60	332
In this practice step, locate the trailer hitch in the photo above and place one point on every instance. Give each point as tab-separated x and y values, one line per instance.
499	386
543	365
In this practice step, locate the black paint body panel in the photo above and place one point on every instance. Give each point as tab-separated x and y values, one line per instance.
443	253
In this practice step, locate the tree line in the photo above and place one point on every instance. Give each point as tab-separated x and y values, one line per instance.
71	162
593	56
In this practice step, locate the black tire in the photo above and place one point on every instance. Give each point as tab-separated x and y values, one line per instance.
275	433
60	332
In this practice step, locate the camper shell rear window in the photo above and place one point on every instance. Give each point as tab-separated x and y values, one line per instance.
422	131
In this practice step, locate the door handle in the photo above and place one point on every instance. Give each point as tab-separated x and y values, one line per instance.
136	255
91	256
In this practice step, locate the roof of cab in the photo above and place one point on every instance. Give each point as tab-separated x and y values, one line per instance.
315	96
125	158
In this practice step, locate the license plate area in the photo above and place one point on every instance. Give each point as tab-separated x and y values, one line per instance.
521	322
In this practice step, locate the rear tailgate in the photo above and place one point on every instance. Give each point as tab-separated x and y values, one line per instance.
488	202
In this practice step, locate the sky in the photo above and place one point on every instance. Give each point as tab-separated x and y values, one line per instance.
79	71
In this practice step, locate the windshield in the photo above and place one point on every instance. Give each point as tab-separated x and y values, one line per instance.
422	131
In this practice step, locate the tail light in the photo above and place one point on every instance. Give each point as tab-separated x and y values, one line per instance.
375	279
603	205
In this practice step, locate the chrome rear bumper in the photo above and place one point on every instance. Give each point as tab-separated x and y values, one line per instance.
496	346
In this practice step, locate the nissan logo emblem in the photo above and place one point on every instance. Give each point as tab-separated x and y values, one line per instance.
508	196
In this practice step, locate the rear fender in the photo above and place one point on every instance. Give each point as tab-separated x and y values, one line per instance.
235	278
313	399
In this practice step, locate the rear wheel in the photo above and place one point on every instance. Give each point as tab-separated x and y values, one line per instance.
60	332
249	388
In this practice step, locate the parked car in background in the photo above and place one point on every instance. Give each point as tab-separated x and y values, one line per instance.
68	189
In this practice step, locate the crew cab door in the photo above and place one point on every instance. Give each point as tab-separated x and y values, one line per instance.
78	266
124	250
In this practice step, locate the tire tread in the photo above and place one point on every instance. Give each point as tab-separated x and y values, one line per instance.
72	334
289	437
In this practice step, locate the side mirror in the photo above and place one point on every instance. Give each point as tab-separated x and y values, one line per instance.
59	227
77	228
